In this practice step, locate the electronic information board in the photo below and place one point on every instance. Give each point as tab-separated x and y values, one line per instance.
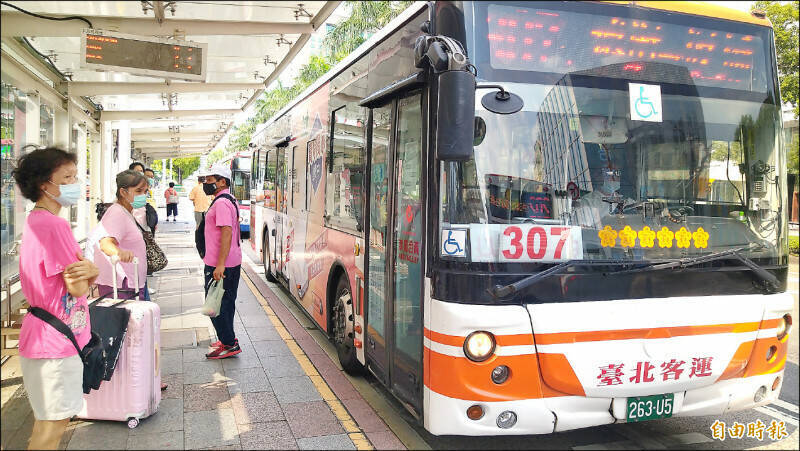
143	55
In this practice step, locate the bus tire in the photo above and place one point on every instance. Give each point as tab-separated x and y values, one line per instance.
343	334
266	260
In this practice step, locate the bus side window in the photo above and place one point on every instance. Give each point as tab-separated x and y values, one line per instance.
269	178
344	187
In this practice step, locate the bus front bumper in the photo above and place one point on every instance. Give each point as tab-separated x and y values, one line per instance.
447	416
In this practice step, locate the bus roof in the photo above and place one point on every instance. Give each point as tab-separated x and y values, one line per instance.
700	9
693	8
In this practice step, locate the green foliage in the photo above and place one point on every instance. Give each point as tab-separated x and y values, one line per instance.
719	151
793	159
180	167
784	18
366	18
794	245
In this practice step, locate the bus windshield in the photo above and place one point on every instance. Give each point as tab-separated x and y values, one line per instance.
626	147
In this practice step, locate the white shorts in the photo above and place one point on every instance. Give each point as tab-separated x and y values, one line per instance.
54	386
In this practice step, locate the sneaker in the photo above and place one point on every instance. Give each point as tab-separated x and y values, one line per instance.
223	352
218	343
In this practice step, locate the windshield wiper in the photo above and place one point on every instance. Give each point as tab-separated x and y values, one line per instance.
772	282
501	291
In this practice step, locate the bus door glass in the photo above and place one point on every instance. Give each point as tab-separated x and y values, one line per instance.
408	239
280	217
378	236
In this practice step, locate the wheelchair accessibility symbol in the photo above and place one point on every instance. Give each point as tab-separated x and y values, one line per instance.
645	102
454	242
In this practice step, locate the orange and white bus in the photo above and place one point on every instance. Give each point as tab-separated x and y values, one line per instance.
240	164
525	218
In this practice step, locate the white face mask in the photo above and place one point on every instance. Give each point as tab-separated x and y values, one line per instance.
70	193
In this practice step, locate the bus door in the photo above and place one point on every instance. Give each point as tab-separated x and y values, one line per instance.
394	316
281	220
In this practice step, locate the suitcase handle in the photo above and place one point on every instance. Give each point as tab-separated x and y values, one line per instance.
114	261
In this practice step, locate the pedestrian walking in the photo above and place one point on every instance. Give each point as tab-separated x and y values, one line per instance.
200	199
223	257
54	277
117	234
172	202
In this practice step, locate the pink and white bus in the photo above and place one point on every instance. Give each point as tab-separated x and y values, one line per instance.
506	211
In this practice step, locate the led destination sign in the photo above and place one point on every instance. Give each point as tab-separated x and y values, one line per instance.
143	55
533	39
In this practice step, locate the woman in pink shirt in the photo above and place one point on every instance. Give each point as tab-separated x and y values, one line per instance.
55	277
118	234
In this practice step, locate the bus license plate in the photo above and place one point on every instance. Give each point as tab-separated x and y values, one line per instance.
643	408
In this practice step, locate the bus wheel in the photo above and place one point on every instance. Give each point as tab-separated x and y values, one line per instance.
343	328
266	260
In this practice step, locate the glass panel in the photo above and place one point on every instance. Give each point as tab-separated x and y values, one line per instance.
12	209
269	179
343	195
47	118
379	192
408	236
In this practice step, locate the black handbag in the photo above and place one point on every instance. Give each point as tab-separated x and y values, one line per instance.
156	259
93	355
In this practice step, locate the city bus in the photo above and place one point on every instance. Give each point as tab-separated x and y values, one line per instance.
526	218
240	164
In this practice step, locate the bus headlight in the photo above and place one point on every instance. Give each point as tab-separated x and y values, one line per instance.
479	346
784	326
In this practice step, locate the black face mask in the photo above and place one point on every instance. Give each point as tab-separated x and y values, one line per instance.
209	188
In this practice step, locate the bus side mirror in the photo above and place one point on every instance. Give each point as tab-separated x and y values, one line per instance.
455	126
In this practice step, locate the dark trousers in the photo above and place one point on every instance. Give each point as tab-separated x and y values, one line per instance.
223	323
172	209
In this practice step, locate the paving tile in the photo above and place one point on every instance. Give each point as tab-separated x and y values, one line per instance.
99	435
281	366
366	418
210	396
311	419
256	407
16	409
339	441
202	372
18	438
171	324
191	355
160	440
262	332
384	440
272	435
210	429
245	359
340	386
169	311
309	345
171	362
177	337
270	348
226	447
168	418
247	380
174	386
194	319
294	389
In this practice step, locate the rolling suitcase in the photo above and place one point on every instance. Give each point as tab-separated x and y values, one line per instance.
134	391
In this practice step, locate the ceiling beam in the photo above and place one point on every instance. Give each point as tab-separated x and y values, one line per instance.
87	88
162	144
148	115
185	134
14	23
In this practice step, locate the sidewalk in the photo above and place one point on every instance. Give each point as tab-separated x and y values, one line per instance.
271	396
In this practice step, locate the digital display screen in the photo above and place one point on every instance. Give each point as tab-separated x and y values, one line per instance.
535	39
122	52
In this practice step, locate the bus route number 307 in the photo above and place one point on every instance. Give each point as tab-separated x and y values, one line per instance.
540	243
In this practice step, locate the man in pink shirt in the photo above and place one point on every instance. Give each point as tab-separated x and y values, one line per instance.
223	257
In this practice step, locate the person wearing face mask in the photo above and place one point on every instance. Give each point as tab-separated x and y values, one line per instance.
200	199
140	213
55	277
118	235
151	213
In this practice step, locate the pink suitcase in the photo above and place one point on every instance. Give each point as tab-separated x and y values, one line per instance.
134	390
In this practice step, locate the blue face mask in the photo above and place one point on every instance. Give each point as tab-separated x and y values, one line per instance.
69	194
139	201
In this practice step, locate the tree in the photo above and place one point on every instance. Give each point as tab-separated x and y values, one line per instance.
784	18
365	19
180	166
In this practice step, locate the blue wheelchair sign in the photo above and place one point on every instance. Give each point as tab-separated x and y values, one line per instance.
454	243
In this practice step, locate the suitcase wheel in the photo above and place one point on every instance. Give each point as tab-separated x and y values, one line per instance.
133	422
